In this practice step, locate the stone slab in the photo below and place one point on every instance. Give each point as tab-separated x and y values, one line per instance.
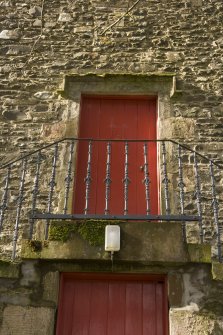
140	242
19	320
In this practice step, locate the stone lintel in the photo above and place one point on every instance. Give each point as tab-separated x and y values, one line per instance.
149	242
118	84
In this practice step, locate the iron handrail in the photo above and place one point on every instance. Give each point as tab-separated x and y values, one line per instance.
31	198
106	140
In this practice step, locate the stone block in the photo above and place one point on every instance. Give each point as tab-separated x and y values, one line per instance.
35	11
18	320
64	17
175	289
9	35
199	253
51	286
186	321
217	271
30	274
43	95
8	270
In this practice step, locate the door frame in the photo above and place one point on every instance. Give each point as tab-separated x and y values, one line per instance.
121	277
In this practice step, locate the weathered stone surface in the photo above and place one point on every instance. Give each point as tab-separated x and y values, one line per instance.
18	320
217	270
188	322
51	286
64	17
199	252
175	289
9	35
8	270
142	242
43	95
30	274
35	11
180	38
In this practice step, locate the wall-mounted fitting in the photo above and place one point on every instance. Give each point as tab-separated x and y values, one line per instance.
112	238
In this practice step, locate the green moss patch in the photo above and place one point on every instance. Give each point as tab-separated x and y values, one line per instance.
92	231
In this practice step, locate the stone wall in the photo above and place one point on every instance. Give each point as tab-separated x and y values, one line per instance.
44	43
29	296
40	42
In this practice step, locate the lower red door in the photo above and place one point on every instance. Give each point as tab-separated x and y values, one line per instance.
117	118
112	305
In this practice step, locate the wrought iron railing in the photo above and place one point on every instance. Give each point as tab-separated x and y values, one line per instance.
39	186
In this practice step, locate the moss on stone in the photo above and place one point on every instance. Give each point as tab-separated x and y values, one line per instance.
199	253
9	270
61	231
90	230
217	271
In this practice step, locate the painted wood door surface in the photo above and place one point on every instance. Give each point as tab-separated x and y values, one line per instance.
112	306
117	118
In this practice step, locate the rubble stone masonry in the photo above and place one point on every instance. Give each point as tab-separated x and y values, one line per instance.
43	43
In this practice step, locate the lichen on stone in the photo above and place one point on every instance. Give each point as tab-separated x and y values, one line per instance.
91	230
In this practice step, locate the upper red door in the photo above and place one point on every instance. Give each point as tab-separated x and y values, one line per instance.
112	305
117	118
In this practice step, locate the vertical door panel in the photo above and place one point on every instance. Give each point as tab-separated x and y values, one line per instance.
149	308
81	316
116	309
99	306
133	320
64	324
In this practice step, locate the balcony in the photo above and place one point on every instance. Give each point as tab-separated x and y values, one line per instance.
127	180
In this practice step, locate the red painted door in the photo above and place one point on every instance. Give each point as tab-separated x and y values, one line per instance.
112	305
117	118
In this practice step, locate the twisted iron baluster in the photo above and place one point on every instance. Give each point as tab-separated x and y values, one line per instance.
181	186
35	193
4	198
146	179
108	178
215	210
198	197
126	179
68	178
52	185
88	179
19	207
165	180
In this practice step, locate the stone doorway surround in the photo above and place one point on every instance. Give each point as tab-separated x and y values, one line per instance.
161	85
